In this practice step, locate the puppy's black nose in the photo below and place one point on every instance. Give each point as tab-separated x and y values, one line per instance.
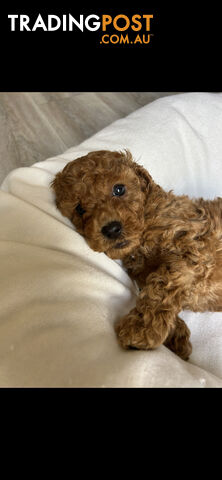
112	230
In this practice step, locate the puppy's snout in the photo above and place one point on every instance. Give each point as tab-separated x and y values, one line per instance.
112	230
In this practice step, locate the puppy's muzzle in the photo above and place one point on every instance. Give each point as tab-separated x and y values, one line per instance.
112	230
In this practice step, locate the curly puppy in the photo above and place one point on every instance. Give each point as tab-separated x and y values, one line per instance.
170	245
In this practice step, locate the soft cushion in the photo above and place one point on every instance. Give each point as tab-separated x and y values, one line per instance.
60	299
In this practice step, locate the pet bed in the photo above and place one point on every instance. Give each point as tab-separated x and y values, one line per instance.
60	299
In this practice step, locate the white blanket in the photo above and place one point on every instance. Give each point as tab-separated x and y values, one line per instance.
59	299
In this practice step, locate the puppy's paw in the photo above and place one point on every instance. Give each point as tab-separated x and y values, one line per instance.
182	349
133	333
178	340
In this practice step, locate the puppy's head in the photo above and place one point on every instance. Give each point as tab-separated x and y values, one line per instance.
103	194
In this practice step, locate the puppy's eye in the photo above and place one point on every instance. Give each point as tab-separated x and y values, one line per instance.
80	210
119	190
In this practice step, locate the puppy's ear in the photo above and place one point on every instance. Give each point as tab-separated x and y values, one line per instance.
144	177
64	200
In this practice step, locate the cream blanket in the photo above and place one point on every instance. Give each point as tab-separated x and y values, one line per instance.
59	299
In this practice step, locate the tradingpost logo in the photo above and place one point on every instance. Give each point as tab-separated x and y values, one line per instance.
113	30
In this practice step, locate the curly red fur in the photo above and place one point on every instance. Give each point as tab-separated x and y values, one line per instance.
171	245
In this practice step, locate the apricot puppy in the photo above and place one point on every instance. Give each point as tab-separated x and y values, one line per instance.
171	245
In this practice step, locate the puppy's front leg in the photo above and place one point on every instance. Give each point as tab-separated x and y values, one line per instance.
178	340
149	324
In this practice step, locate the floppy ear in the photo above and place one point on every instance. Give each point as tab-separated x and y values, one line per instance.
144	177
64	200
